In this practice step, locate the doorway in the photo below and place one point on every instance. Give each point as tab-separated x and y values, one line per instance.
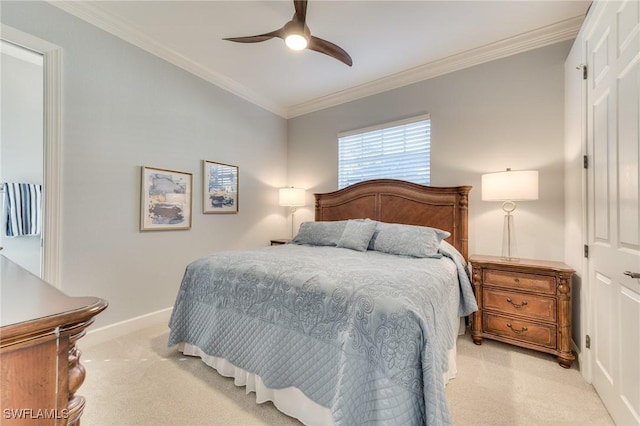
50	164
21	153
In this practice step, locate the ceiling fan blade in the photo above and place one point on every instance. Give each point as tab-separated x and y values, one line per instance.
328	48
256	38
301	9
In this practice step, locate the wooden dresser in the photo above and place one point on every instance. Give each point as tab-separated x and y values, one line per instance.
39	361
525	303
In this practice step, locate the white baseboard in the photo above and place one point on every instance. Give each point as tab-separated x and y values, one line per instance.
576	350
119	329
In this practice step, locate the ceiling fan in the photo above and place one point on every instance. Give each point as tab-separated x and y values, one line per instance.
297	36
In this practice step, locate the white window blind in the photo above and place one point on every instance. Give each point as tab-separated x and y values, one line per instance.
399	150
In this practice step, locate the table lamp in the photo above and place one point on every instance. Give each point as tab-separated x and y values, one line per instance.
292	197
510	186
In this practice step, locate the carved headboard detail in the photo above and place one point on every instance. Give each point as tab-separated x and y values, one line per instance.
397	201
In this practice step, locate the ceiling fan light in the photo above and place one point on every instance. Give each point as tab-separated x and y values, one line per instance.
296	42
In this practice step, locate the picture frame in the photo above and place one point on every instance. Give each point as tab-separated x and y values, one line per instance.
165	199
220	187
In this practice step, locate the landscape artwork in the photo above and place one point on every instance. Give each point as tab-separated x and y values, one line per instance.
220	188
165	200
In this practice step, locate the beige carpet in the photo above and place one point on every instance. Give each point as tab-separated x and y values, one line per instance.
137	380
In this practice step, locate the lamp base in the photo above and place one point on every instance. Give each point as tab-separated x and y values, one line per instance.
510	259
293	215
509	252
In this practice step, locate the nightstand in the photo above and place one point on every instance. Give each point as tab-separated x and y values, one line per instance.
525	303
280	241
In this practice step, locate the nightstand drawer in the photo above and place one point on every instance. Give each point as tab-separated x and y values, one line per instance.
528	305
539	334
519	280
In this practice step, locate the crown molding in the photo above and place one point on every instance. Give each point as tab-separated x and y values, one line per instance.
93	14
555	33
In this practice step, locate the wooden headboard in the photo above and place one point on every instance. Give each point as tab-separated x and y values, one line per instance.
397	201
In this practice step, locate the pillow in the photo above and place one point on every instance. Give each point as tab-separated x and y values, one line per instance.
357	234
407	240
320	233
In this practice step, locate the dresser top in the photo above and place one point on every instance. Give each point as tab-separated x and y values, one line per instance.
522	263
26	299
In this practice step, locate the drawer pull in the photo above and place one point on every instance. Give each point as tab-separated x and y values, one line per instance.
516	331
515	305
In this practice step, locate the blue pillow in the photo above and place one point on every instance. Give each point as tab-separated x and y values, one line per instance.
320	233
407	240
357	234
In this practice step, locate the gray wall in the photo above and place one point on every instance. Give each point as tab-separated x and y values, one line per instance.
505	113
21	141
124	108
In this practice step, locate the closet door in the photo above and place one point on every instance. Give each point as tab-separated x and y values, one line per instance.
612	40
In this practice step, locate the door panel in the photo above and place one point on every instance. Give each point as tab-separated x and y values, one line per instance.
627	107
603	332
600	158
630	348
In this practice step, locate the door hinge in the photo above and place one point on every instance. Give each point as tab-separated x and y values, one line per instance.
587	342
585	162
586	251
583	67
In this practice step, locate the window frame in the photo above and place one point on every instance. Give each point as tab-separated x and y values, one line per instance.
382	127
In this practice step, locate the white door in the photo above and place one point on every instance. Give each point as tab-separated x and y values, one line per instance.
613	122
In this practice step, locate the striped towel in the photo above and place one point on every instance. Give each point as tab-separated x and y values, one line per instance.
24	207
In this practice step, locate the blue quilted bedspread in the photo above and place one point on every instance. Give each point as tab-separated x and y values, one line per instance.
365	334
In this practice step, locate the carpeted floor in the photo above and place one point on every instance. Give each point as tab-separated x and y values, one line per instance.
138	380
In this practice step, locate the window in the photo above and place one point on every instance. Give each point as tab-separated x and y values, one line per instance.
398	150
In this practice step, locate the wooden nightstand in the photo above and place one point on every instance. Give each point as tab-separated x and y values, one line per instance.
280	241
525	303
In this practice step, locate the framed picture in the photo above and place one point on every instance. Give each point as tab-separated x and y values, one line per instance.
220	188
165	200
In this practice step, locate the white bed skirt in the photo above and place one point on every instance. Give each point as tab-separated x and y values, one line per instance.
291	401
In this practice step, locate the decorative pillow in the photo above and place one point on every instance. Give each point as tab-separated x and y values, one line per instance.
320	233
407	240
357	234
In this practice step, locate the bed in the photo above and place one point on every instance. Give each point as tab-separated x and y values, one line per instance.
354	321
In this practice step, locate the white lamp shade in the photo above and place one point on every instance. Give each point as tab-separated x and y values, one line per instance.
292	197
510	185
